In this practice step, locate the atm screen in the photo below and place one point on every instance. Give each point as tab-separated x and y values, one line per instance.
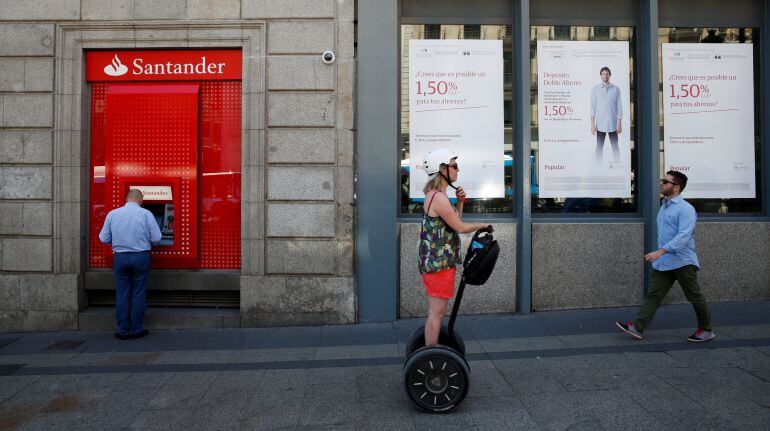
164	216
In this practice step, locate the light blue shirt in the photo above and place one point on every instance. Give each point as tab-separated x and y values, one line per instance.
676	234
606	107
130	228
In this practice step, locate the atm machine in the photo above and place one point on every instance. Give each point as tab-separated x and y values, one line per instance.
177	138
159	200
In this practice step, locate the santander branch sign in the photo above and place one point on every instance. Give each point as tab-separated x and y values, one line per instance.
168	65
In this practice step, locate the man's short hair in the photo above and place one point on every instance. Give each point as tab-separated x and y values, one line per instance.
134	194
680	178
605	68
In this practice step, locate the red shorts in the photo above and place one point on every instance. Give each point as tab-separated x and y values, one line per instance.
440	284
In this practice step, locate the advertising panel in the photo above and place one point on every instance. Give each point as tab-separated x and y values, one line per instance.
584	147
456	101
708	111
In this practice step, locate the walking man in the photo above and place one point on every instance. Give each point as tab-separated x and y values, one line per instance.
606	115
131	230
674	260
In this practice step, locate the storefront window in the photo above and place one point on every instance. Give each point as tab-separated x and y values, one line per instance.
707	94
584	204
484	32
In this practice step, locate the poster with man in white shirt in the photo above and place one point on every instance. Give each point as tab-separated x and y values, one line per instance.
583	94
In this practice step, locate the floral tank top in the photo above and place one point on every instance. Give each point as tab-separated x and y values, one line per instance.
439	245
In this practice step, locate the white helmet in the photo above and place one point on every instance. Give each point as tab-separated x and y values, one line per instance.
433	159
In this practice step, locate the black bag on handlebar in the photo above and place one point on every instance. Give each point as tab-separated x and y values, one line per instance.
481	258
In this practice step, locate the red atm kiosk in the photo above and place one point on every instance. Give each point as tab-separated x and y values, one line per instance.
169	123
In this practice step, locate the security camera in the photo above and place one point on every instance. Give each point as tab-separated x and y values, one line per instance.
328	57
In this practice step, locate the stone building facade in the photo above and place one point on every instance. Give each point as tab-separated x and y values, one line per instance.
297	152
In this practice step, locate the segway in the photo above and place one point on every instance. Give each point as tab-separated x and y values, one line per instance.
437	378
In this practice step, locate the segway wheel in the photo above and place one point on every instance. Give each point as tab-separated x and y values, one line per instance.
436	378
417	340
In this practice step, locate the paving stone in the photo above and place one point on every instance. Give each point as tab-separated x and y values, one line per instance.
94	386
745	357
573	411
112	358
762	374
543	363
587	380
164	419
277	386
487	381
38	360
744	332
380	384
656	395
733	413
148	382
598	340
11	385
617	411
533	382
335	375
234	356
366	351
385	415
275	419
117	410
231	399
499	413
325	414
520	344
182	390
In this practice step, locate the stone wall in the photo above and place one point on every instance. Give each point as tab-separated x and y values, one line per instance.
298	134
586	265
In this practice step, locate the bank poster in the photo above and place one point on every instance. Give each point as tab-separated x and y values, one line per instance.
456	101
708	113
583	117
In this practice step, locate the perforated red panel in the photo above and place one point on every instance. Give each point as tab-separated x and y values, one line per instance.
207	156
100	255
220	181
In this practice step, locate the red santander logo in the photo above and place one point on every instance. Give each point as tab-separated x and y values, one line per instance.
115	68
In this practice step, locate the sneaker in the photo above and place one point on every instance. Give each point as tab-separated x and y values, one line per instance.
120	336
701	335
629	329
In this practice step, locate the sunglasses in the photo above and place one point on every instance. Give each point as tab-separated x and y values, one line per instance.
453	166
665	181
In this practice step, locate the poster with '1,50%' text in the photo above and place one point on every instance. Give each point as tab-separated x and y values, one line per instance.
583	113
456	102
708	112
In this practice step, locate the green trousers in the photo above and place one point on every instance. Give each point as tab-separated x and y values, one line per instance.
661	282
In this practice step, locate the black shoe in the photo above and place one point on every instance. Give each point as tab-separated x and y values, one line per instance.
140	334
120	336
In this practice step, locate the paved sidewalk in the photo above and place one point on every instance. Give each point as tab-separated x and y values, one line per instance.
550	370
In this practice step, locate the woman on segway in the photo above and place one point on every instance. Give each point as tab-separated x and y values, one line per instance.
439	249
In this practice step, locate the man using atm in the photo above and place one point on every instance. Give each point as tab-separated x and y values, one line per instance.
131	231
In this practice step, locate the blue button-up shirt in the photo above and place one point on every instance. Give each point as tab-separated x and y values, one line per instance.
130	228
606	107
676	234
